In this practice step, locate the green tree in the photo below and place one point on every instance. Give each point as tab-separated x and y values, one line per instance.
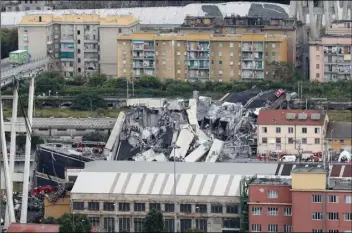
154	221
284	71
148	82
49	81
94	137
50	220
35	140
97	80
76	81
194	230
88	101
74	223
9	41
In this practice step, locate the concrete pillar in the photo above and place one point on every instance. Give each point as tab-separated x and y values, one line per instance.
7	173
27	153
12	144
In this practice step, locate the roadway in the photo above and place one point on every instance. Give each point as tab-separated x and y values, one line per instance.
5	64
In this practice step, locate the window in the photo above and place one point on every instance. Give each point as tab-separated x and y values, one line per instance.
256	210
220	62
79	70
95	221
304	140
186	208
93	205
348	216
273	54
317	140
138	224
333	216
317	57
78	32
232	209
124	224
287	228
317	48
79	60
317	75
264	140
124	206
278	130
342	142
220	54
316	130
78	205
109	224
201	208
231	44
316	198
169	225
317	231
185	224
288	211
220	44
266	54
273	228
78	41
109	206
333	231
264	129
216	208
333	199
155	206
290	140
231	223
272	211
139	206
169	207
231	55
317	216
348	199
202	224
290	129
278	140
256	227
304	130
164	62
273	194
317	66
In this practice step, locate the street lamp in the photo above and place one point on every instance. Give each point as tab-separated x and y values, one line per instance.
174	146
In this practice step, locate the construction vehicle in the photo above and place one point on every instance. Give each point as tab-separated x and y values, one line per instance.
19	57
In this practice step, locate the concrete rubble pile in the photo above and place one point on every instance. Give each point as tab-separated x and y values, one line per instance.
203	131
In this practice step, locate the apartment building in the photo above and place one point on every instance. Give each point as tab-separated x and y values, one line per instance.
26	5
290	131
331	56
76	44
201	56
235	24
304	202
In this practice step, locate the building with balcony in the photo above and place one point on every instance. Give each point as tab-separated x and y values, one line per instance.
76	44
330	57
339	136
200	56
309	201
291	131
26	5
235	24
207	194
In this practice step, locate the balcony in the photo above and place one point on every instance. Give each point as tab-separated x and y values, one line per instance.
149	56
137	47
91	58
198	67
148	47
138	57
90	50
138	66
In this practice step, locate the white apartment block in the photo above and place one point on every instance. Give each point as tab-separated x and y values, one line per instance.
290	131
76	44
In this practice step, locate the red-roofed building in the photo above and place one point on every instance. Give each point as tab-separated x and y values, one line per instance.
19	227
285	130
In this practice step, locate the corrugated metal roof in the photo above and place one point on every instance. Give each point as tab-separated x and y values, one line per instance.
156	178
157	184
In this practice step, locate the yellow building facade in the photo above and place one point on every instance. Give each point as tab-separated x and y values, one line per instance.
201	56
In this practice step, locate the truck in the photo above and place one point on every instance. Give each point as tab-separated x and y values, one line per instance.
19	57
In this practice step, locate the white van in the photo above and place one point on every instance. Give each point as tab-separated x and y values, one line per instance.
288	158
